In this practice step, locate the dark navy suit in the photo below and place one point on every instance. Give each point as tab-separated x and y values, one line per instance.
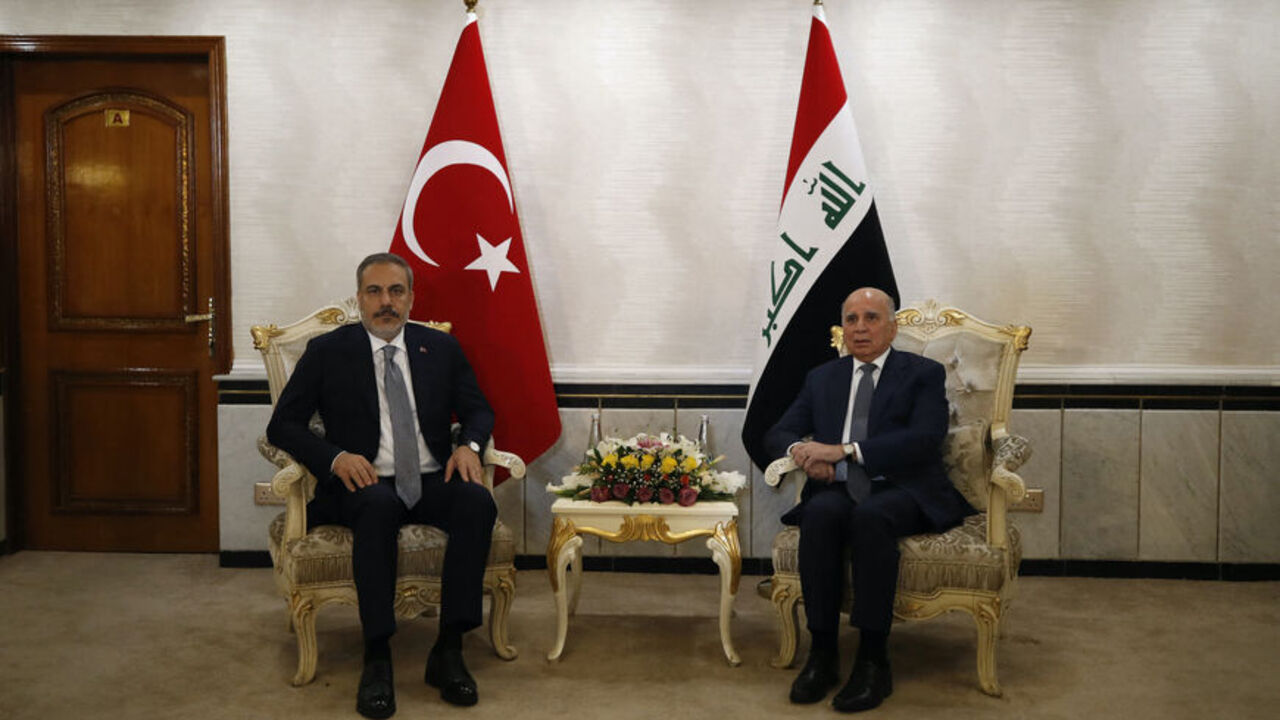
911	493
335	377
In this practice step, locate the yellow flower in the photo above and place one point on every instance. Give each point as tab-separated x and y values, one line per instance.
646	462
629	461
609	460
668	465
689	464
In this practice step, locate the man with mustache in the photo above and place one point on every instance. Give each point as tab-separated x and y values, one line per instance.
385	391
877	418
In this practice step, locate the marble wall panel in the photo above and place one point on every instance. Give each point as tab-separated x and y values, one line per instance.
1041	531
725	438
242	525
547	469
1178	507
1100	484
1248	530
624	423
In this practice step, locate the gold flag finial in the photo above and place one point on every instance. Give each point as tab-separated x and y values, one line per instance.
817	2
471	5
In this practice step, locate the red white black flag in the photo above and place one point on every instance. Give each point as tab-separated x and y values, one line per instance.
460	233
828	243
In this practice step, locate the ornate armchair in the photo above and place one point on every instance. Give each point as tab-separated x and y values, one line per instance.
313	569
972	567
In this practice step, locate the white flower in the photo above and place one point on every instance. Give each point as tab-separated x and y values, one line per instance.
724	482
571	482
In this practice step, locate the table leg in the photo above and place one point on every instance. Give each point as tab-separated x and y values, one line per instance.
569	545
727	555
575	581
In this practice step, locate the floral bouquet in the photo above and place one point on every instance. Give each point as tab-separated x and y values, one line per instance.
649	468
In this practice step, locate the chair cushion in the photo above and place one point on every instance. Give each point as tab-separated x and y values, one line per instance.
965	455
323	556
958	558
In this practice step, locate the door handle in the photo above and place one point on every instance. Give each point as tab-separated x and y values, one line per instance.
209	318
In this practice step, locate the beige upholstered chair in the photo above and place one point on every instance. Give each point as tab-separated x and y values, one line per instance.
313	569
973	567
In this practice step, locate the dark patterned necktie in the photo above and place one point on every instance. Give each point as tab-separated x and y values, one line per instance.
858	484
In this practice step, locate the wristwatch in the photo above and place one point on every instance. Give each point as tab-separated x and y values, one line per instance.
850	451
475	446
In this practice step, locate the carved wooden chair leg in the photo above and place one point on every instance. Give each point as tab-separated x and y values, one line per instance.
987	617
304	626
502	593
785	595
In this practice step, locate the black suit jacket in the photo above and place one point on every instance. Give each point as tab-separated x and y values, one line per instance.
335	376
905	430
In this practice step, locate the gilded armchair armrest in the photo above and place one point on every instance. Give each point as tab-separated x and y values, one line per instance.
273	454
1011	451
781	469
293	483
503	459
778	469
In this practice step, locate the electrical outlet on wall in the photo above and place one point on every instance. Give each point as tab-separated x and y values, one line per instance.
262	495
1032	502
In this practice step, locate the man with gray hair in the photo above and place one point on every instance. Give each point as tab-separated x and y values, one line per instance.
877	418
386	391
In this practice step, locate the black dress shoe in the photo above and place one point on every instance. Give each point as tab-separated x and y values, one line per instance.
869	684
376	697
819	675
446	671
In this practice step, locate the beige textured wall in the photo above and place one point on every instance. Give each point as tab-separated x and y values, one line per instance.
1104	170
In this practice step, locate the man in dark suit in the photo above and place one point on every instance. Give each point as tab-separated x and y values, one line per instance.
385	391
877	418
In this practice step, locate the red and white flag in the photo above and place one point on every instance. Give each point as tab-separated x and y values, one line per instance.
460	233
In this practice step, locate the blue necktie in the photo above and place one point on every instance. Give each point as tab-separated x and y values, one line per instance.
404	442
855	476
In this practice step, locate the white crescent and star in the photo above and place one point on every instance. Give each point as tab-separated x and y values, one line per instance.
493	258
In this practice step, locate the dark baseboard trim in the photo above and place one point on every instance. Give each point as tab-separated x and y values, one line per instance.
1239	572
244	559
1236	572
4	547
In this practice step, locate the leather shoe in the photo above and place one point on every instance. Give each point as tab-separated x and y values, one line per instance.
446	671
869	684
376	697
819	675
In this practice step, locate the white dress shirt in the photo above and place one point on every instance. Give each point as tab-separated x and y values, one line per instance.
853	390
384	463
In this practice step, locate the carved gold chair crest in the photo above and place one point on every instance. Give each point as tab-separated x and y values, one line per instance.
313	569
972	567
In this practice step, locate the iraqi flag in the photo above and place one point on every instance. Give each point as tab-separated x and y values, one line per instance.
460	233
828	243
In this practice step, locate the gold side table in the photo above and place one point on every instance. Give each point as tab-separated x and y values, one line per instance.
618	522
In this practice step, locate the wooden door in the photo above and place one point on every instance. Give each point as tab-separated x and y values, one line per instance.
118	208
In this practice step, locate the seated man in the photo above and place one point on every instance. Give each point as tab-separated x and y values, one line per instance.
385	391
878	417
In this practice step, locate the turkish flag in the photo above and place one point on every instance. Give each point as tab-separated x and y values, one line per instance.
460	233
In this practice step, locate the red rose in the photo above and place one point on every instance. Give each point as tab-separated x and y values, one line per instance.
688	496
620	490
599	493
666	496
684	480
644	494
